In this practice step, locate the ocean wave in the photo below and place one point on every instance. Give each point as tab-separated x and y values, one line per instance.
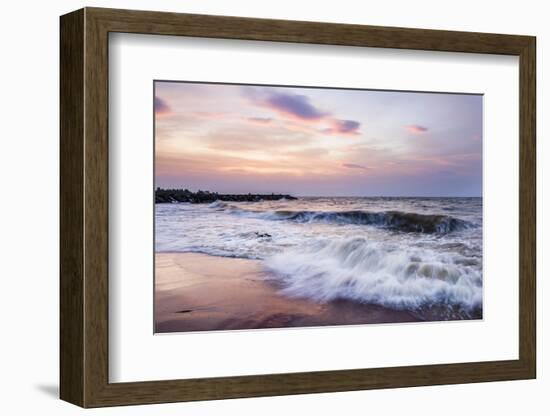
376	273
217	204
393	220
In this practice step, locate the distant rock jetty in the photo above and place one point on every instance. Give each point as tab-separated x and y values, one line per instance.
204	197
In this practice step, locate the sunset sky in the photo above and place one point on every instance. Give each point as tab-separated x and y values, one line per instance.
317	142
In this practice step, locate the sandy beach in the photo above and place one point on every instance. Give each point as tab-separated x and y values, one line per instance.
198	292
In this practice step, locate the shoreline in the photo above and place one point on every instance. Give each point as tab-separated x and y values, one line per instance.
200	292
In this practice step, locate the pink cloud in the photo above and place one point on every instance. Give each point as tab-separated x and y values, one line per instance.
260	120
416	129
292	105
211	115
300	108
343	127
161	107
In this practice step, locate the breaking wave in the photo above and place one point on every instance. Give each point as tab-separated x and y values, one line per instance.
377	273
393	220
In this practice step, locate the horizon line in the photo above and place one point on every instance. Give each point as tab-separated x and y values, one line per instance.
321	196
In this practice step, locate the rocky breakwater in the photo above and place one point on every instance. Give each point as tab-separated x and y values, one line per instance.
205	197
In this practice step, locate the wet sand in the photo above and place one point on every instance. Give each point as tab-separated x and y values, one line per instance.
198	292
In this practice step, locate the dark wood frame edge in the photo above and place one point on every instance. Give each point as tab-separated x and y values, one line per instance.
84	207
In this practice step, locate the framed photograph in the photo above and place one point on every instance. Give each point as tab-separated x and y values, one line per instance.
256	207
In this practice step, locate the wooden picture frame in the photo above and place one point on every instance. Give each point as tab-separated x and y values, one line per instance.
84	207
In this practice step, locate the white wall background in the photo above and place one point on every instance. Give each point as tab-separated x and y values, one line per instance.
29	210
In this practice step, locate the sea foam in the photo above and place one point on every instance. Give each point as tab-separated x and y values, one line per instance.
417	254
377	273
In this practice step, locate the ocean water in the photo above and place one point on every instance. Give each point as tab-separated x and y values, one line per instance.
419	254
